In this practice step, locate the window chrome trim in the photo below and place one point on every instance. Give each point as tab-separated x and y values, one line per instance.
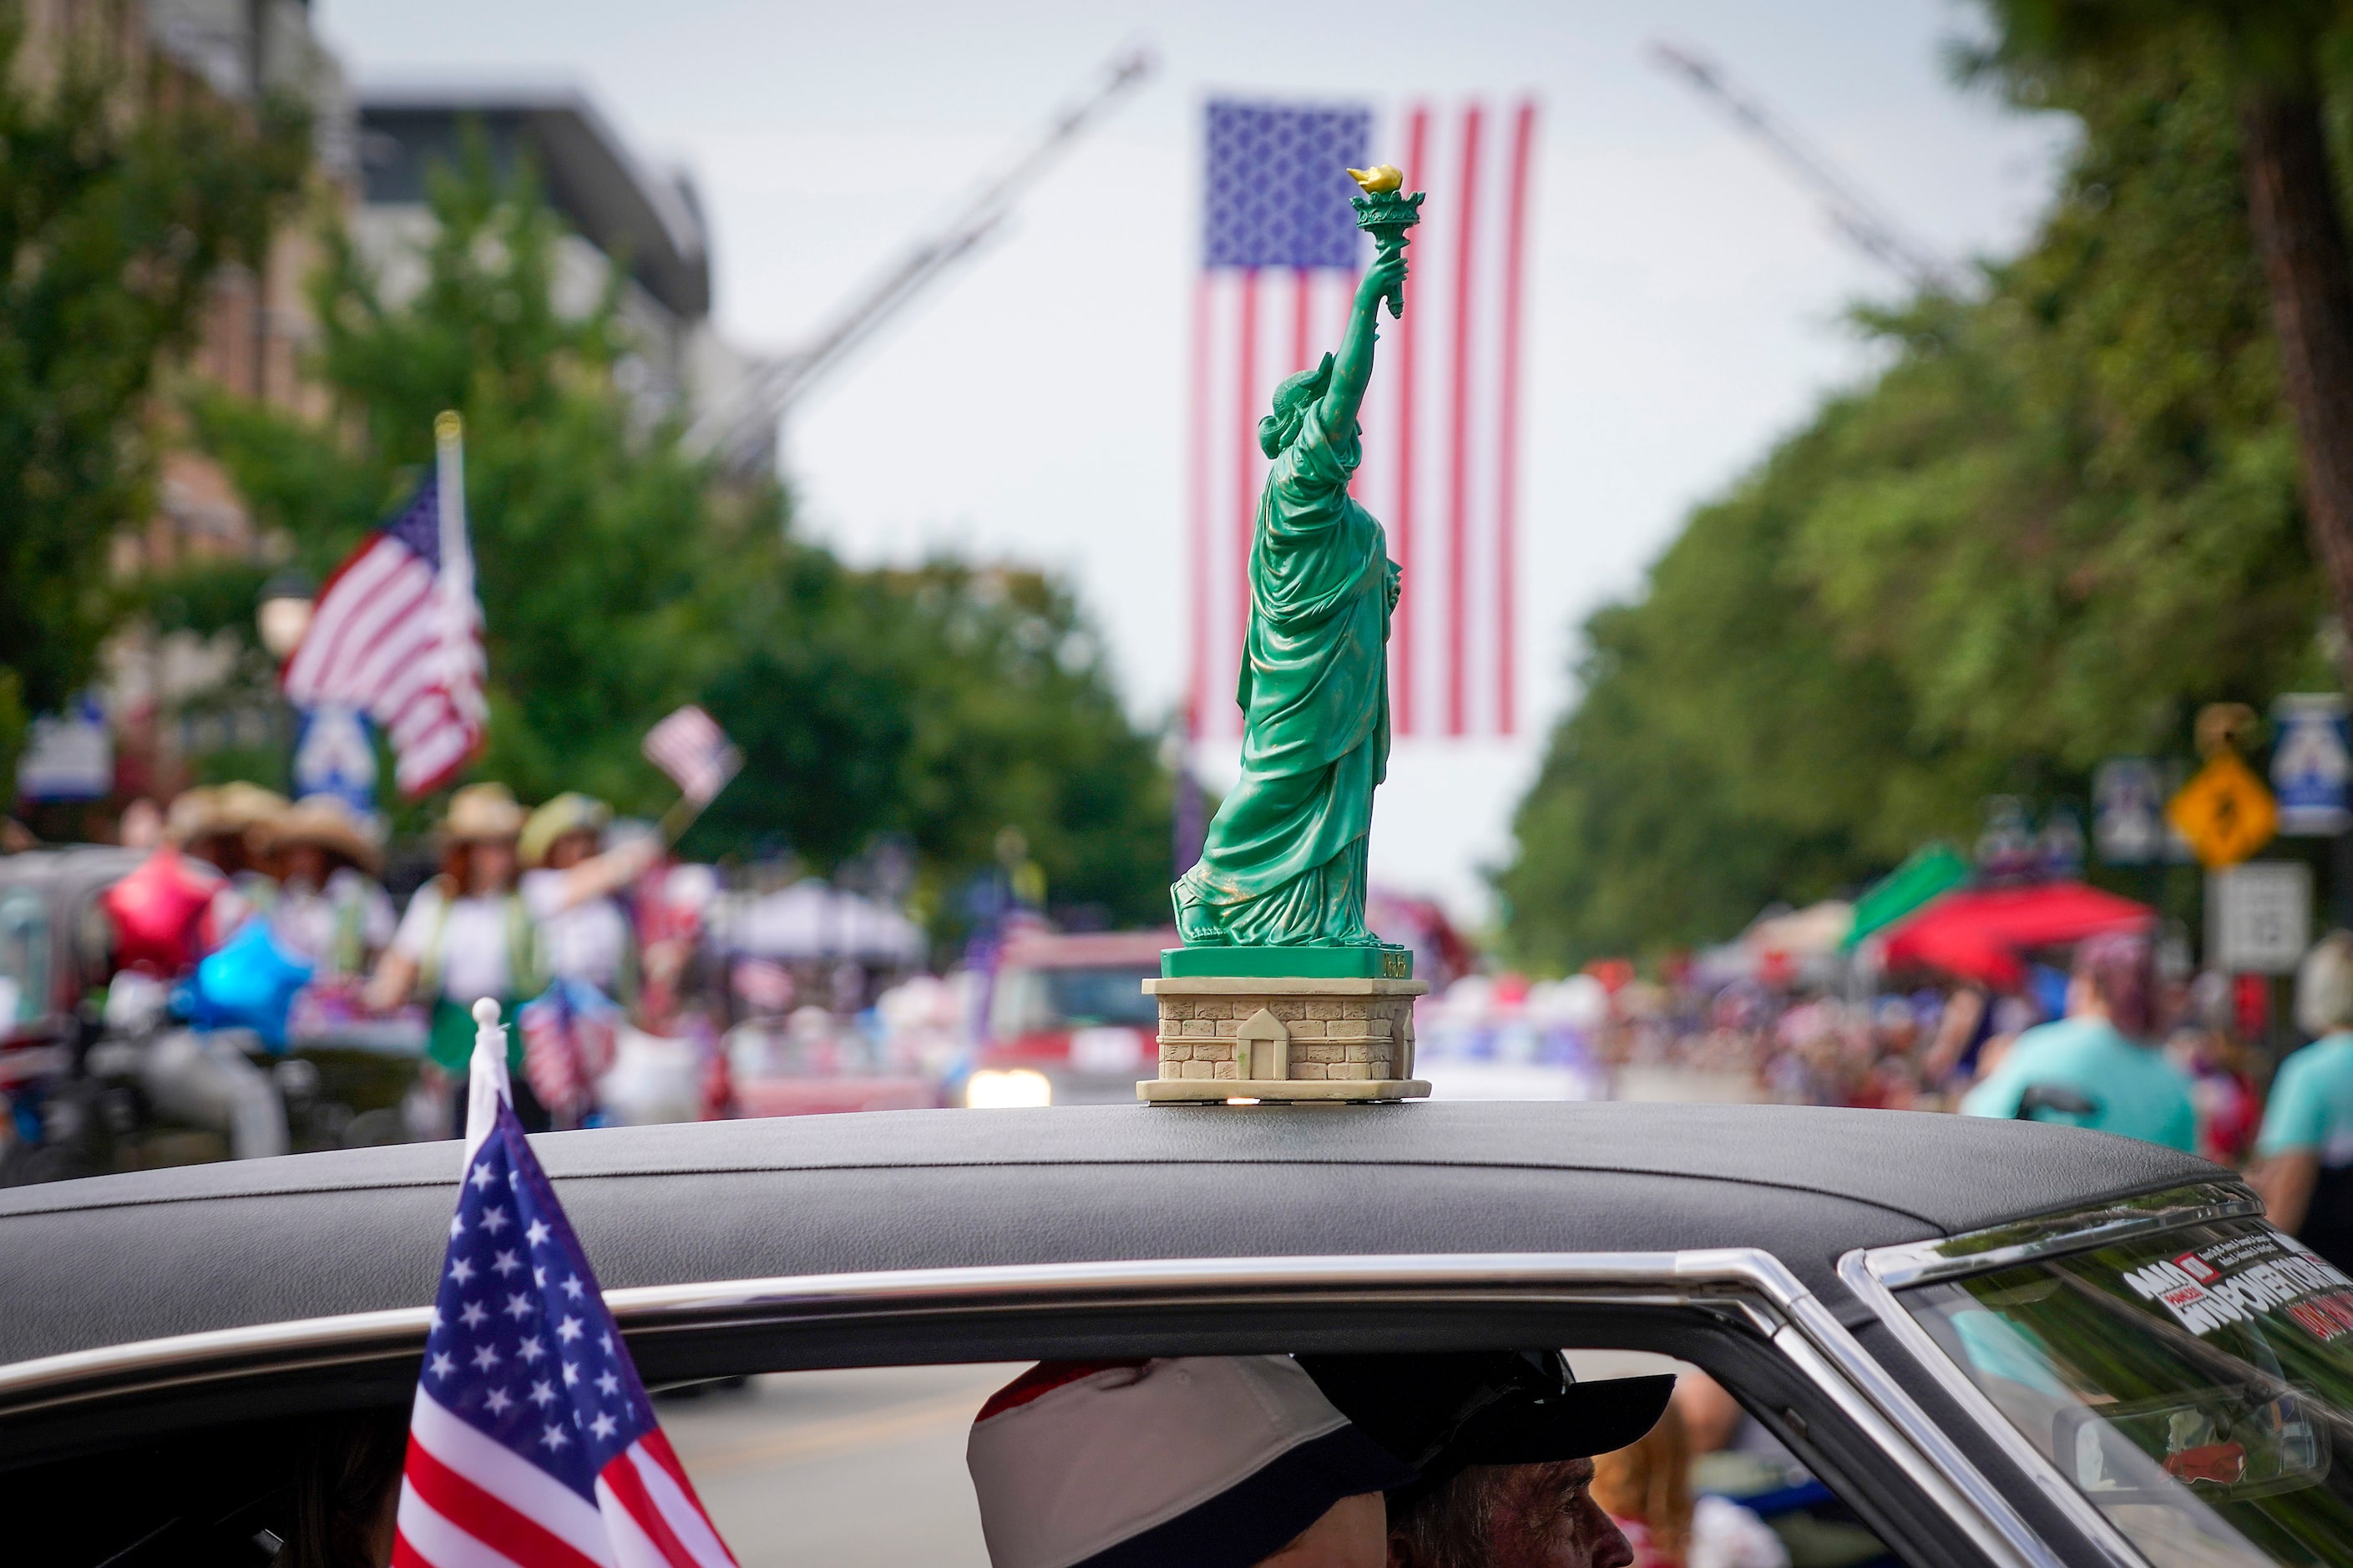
1876	1274
1752	1282
2052	1235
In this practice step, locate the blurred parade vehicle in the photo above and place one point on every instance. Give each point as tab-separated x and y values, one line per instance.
1067	1022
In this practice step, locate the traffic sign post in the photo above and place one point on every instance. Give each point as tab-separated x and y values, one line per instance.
2224	811
2259	917
2311	764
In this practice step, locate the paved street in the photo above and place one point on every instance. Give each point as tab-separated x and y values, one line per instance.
812	1468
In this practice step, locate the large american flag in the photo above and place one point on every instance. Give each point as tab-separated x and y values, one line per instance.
1281	256
532	1443
397	632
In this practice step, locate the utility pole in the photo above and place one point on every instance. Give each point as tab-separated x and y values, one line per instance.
743	432
1861	221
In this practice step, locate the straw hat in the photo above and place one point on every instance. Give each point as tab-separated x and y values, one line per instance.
482	812
226	810
570	812
193	815
243	806
328	822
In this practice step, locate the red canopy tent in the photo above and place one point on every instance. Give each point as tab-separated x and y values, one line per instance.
1981	934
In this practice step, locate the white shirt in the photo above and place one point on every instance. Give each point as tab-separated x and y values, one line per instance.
473	942
306	920
587	941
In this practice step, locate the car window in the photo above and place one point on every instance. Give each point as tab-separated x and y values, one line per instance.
1027	1000
867	1465
2196	1385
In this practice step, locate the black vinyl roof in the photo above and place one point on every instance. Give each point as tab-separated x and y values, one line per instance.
120	1259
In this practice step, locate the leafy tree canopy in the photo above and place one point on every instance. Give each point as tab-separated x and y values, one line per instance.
2063	516
619	580
119	199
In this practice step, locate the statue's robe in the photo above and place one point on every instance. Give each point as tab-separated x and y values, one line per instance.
1283	863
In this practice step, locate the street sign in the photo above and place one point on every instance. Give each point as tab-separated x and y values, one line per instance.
2129	812
334	753
69	756
2224	811
2259	917
2311	764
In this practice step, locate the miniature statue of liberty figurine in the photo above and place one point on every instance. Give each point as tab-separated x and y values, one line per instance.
1284	862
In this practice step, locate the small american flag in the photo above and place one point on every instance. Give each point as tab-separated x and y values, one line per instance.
691	748
532	1443
570	1036
1281	254
397	632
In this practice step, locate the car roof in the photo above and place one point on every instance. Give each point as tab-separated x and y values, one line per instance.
117	1260
1088	950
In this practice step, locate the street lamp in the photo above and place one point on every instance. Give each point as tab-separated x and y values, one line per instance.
284	612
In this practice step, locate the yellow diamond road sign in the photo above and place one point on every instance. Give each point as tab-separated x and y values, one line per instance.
2225	812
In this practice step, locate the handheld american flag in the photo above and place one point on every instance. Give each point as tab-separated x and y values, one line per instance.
532	1443
398	630
691	748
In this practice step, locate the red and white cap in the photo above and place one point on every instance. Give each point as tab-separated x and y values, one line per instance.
1183	1462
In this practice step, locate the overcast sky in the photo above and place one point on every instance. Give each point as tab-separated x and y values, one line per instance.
1687	296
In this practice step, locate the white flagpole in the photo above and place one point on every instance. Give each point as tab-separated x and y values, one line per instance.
487	1086
458	610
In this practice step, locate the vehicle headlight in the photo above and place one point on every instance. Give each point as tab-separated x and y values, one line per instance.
1001	1091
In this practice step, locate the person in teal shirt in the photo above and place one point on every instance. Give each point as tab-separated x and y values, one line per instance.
2101	1051
2305	1154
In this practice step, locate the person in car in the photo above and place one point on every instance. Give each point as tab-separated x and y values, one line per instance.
2305	1153
2101	1064
1211	1461
1502	1443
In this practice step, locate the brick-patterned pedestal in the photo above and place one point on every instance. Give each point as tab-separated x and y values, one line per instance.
1243	1037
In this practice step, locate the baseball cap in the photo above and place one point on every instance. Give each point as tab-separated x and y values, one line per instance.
1174	1462
1443	1413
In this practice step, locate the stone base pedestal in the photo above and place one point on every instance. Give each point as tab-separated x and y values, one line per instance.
1226	1036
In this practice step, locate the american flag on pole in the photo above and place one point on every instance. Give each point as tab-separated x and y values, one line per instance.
532	1443
691	748
1281	256
397	632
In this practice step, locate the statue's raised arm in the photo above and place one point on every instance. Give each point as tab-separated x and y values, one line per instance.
1352	367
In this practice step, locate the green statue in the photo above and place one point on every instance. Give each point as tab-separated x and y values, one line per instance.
1283	863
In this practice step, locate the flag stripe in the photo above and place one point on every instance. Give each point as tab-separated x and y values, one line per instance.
355	585
672	1496
622	1490
529	1490
439	1543
1458	442
1402	684
1197	497
1247	452
487	1517
1507	431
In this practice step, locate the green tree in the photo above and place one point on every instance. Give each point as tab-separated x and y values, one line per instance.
2061	517
2271	59
619	580
119	200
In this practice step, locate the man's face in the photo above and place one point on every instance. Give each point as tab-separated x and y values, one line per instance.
1536	1516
